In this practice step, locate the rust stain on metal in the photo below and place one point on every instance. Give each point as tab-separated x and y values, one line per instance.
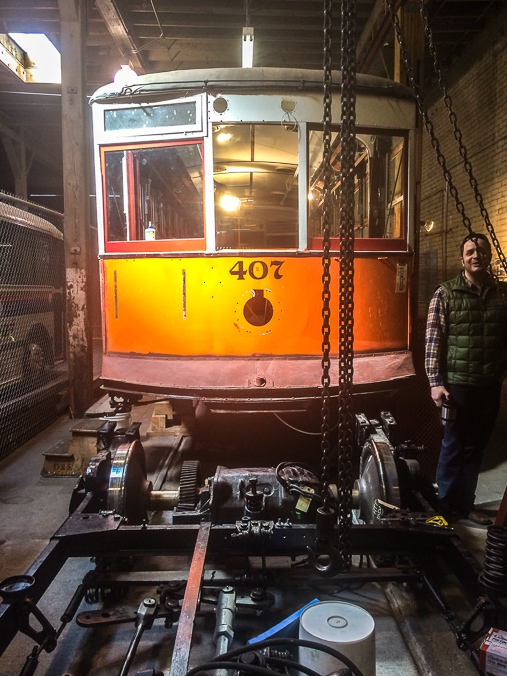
182	643
76	307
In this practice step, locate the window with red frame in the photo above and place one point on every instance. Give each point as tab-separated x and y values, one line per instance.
380	185
153	192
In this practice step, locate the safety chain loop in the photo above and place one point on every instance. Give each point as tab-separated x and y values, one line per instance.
326	259
453	119
346	312
423	111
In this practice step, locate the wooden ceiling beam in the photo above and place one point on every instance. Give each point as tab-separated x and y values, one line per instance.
196	35
123	33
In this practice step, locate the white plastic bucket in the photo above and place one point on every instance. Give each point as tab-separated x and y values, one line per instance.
342	626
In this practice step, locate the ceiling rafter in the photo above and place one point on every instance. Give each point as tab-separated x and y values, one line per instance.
123	33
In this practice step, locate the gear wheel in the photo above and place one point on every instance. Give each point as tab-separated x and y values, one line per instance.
190	478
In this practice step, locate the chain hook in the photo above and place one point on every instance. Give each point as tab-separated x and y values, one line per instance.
324	530
324	548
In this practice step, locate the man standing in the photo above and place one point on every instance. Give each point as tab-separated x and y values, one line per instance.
466	350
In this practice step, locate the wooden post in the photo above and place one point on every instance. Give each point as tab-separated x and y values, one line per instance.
76	151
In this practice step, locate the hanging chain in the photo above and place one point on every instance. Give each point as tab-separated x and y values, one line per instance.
346	313
326	259
341	558
424	114
453	119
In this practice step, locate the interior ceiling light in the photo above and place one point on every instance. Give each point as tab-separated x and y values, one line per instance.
230	202
247	47
223	137
42	59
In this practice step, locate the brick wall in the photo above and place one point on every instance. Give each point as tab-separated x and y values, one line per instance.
477	84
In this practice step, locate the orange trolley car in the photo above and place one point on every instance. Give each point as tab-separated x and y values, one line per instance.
209	186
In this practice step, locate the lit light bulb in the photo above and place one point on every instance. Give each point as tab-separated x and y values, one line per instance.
223	137
230	202
125	76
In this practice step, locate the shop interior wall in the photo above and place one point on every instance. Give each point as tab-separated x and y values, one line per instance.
477	84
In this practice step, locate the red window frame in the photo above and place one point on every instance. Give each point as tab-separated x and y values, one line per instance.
372	243
140	245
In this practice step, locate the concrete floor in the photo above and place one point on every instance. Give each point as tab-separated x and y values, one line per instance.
411	636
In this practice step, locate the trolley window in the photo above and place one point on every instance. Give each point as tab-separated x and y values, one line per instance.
149	117
153	197
380	180
255	174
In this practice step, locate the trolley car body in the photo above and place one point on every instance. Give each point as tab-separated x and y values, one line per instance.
209	186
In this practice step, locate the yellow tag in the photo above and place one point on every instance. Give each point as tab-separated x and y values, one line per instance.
303	503
438	521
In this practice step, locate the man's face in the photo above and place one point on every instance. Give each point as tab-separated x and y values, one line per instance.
476	257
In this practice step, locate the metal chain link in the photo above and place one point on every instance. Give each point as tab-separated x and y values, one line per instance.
326	259
453	119
346	312
346	285
424	114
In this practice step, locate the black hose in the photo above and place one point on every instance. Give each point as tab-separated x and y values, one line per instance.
297	642
292	665
247	668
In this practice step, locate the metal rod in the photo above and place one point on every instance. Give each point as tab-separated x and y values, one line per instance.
183	641
224	630
144	620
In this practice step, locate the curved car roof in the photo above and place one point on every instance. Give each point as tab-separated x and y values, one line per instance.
246	80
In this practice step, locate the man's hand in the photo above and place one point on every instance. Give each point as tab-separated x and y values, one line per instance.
439	395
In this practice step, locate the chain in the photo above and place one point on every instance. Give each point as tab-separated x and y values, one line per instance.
424	114
326	259
346	313
453	119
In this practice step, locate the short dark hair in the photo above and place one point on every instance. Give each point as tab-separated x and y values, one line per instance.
474	236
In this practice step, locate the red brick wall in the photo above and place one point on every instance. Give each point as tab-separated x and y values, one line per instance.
477	84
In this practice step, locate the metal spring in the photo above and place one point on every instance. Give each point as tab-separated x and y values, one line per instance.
494	574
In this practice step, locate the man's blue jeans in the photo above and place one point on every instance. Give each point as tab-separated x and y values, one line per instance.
463	445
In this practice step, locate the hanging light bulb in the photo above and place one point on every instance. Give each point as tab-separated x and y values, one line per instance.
230	202
126	75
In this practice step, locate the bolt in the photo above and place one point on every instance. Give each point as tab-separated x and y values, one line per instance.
258	594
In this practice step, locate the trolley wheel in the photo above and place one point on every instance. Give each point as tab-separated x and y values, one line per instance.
129	490
378	479
190	479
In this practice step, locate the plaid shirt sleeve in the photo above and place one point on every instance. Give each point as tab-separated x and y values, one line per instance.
436	331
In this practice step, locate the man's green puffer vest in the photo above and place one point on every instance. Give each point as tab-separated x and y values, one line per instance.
477	333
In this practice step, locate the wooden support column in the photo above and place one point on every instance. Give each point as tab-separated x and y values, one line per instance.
76	151
413	30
